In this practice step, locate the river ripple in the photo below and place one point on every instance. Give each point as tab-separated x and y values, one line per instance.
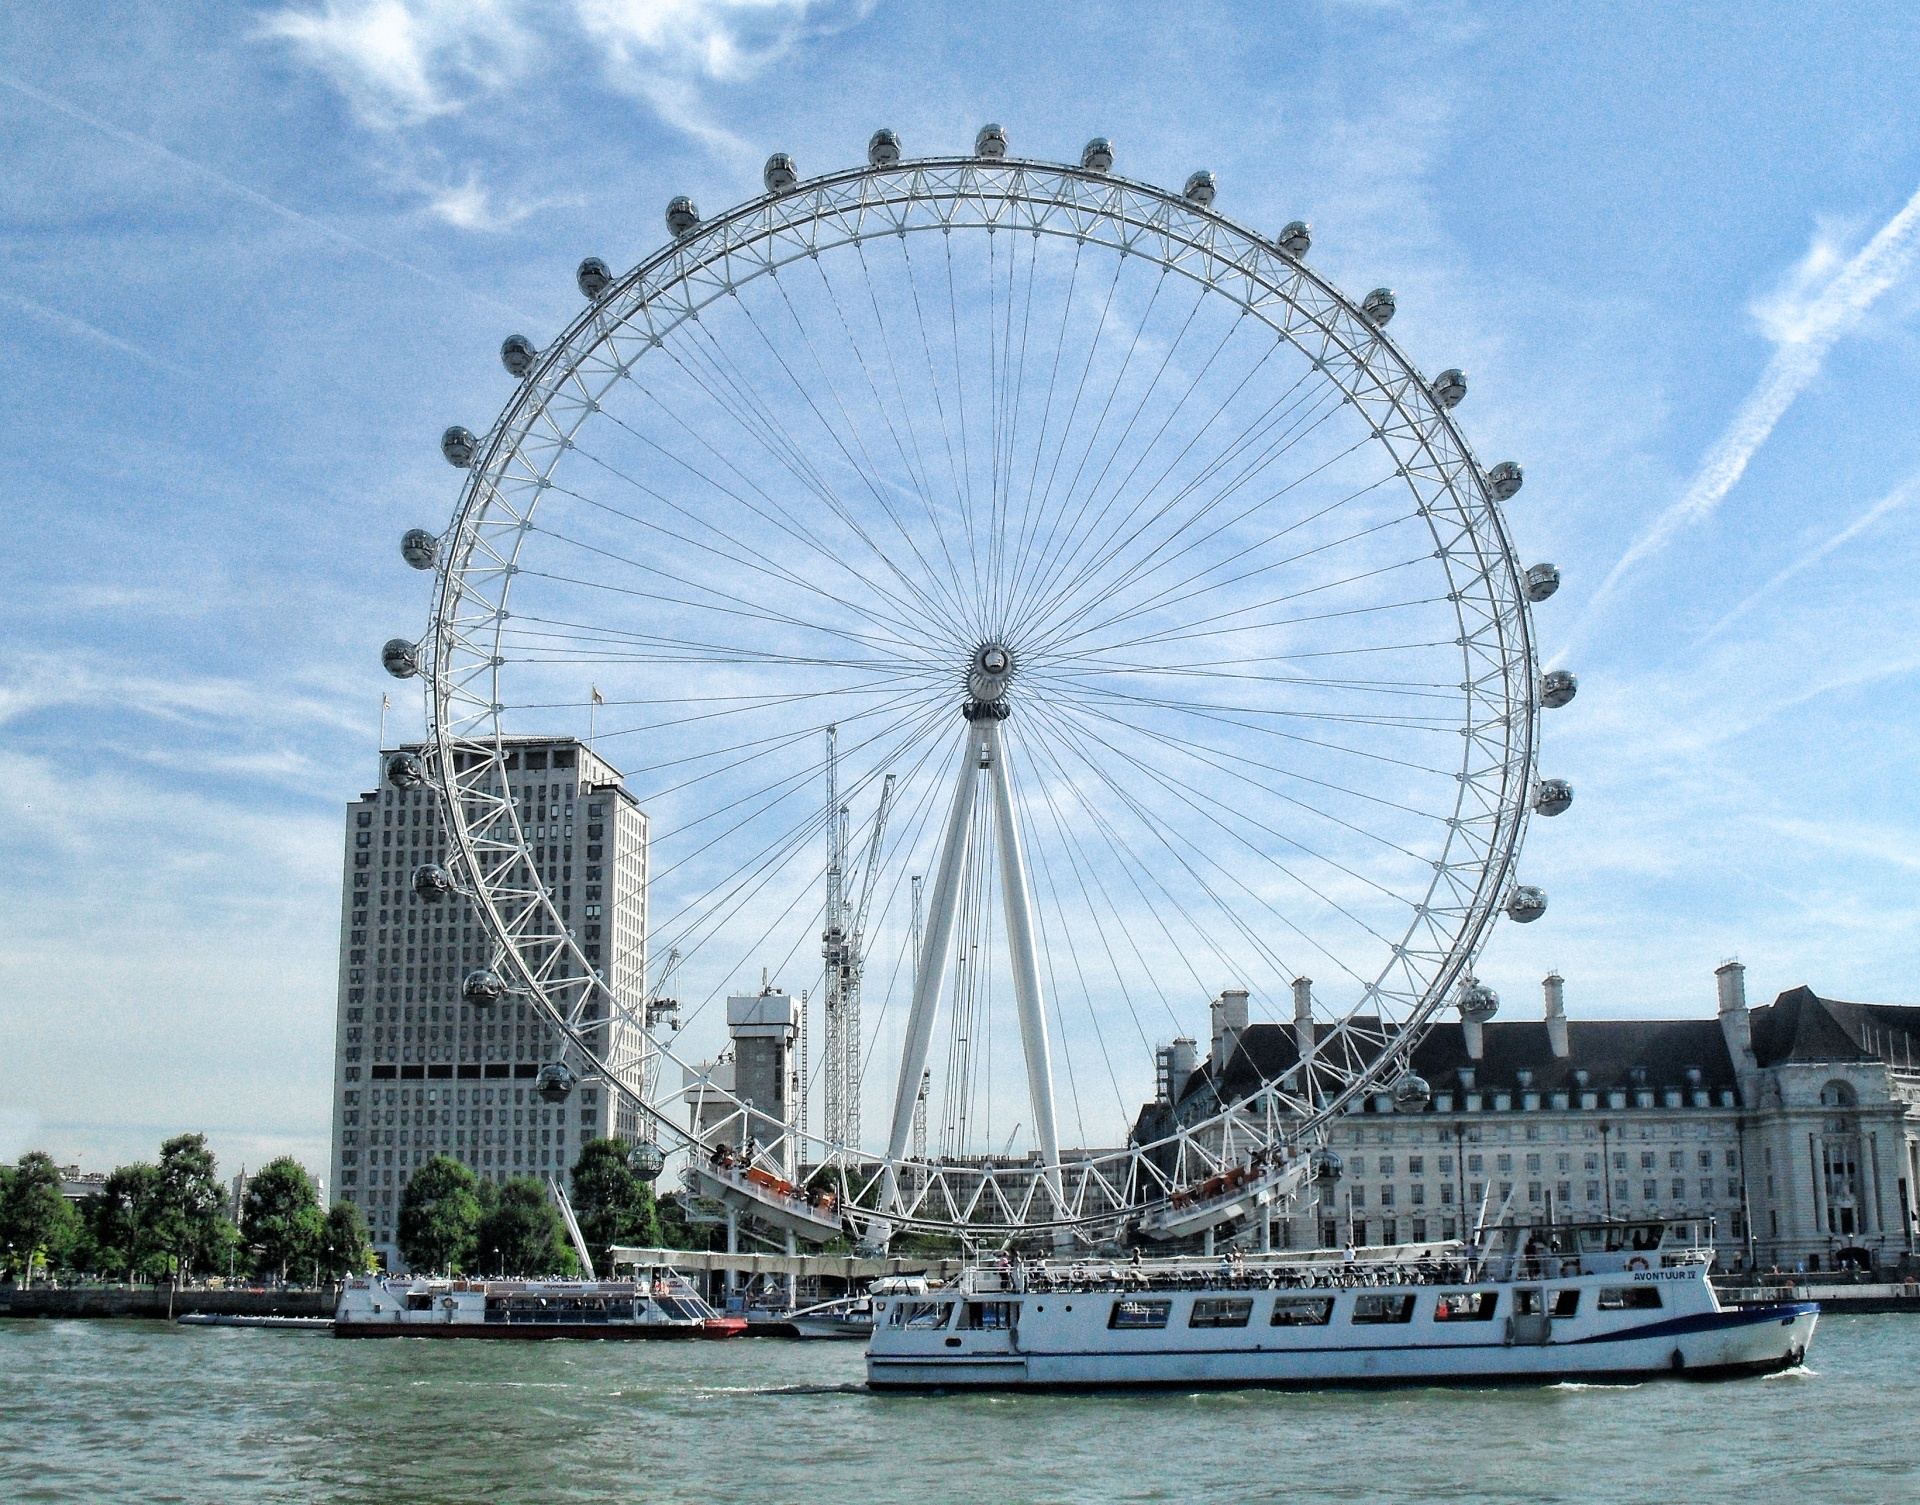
141	1411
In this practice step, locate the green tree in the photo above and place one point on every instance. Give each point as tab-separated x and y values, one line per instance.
281	1220
525	1227
613	1204
190	1220
35	1216
439	1211
121	1221
344	1247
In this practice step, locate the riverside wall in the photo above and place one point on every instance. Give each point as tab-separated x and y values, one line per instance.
160	1302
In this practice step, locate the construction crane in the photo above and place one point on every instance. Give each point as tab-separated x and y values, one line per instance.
843	947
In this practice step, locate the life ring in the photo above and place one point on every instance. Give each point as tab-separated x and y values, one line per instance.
449	1303
1638	1262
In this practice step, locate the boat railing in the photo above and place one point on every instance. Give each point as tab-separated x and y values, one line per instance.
1041	1279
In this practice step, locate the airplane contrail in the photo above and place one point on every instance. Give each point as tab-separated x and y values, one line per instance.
240	190
1796	362
1892	501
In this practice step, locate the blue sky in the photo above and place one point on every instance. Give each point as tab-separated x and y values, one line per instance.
257	257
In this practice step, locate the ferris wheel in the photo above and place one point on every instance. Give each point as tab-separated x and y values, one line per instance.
1096	594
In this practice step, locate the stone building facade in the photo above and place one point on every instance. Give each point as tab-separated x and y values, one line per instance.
1789	1134
417	1071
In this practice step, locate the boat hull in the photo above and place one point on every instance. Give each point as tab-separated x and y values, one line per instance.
1703	1345
533	1331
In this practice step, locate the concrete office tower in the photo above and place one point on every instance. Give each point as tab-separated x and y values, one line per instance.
418	1072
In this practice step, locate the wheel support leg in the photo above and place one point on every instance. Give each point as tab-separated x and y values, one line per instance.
935	947
1018	904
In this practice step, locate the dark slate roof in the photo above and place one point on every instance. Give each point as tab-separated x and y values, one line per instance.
1800	1025
1610	1051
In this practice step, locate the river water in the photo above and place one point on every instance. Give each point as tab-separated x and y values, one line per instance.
141	1411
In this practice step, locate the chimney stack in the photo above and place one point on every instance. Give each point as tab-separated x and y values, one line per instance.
1229	1023
1303	1034
1735	1023
1554	986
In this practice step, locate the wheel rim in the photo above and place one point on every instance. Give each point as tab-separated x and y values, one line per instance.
789	316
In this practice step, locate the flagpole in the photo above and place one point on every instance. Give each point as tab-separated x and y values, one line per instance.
386	703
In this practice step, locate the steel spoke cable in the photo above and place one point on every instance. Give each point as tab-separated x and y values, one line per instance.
1048	560
826	493
772	513
1129	865
1168	595
1132	528
966	462
864	466
1194	799
722	602
1030	551
1086	885
1163	837
739	560
1216	494
916	468
906	411
940	411
1064	566
1252	783
1211	625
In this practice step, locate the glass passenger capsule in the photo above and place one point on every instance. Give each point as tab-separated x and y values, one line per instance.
458	445
406	771
594	278
400	658
517	355
1552	797
555	1082
779	174
1097	155
1504	480
420	548
883	148
1526	904
1379	307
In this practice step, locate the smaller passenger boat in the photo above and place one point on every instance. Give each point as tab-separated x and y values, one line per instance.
247	1319
660	1303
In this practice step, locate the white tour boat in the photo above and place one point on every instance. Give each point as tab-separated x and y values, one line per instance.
1600	1302
661	1303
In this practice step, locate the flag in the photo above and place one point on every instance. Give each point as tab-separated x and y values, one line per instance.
386	702
598	698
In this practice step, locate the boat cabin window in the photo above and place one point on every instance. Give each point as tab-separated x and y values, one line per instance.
1629	1298
1375	1306
989	1316
921	1315
1221	1311
1132	1313
1566	1303
419	1301
1613	1238
1466	1306
1528	1302
1302	1311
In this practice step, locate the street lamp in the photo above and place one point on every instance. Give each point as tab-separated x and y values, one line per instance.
499	1269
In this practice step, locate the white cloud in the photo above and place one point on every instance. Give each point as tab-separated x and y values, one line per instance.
400	62
405	62
1820	301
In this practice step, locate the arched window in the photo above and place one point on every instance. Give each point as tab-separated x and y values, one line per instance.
1837	1095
